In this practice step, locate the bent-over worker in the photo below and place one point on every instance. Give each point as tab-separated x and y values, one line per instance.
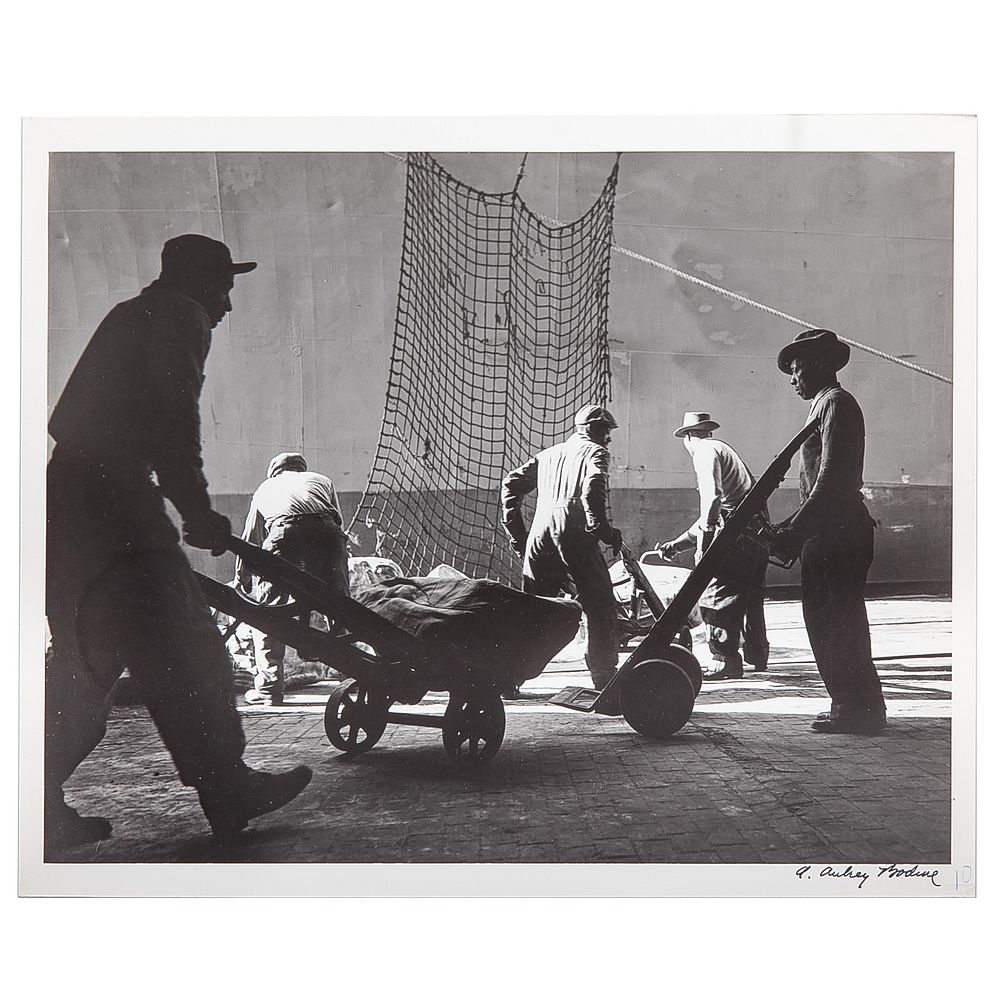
294	513
733	603
571	519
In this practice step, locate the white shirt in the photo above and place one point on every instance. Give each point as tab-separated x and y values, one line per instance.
286	494
723	479
290	493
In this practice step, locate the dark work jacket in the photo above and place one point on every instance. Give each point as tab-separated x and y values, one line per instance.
129	410
132	402
832	459
574	473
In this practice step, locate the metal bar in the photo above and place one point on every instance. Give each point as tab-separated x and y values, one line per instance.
412	719
641	582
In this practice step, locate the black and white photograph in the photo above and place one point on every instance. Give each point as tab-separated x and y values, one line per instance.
552	503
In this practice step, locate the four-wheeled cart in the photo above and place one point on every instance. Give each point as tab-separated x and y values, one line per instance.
385	664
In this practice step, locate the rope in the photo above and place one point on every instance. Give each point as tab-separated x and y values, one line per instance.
747	301
776	312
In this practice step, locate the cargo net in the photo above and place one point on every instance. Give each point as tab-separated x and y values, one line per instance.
500	337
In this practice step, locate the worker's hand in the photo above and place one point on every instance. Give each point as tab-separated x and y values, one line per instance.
607	534
786	545
210	530
667	550
616	541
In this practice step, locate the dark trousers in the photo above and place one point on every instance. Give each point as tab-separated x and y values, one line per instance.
561	552
834	572
146	612
314	543
734	607
756	648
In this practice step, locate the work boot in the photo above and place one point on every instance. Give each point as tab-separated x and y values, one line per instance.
230	806
855	722
265	699
65	827
757	657
599	676
268	684
852	726
729	669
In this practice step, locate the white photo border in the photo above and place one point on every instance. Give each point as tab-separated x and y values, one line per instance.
883	133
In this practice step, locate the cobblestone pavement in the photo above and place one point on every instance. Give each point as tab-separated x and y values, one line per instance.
745	781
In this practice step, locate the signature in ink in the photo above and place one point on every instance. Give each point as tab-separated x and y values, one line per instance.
861	876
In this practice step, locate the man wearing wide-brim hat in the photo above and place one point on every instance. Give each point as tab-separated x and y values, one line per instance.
833	535
733	603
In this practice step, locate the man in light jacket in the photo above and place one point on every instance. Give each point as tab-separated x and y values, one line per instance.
733	603
571	519
294	513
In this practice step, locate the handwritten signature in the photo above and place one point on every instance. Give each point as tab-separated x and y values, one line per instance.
861	876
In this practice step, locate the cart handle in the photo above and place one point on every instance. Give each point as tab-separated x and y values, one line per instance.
651	552
623	556
369	626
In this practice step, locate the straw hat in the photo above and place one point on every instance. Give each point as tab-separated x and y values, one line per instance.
694	421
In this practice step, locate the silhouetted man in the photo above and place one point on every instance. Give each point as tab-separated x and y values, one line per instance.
834	535
119	590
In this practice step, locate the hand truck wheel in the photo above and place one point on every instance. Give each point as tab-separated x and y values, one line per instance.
657	698
688	662
356	716
474	726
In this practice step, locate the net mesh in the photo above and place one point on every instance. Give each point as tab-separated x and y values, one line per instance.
500	337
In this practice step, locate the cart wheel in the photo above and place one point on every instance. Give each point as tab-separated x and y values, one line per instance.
656	698
474	724
355	717
688	662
